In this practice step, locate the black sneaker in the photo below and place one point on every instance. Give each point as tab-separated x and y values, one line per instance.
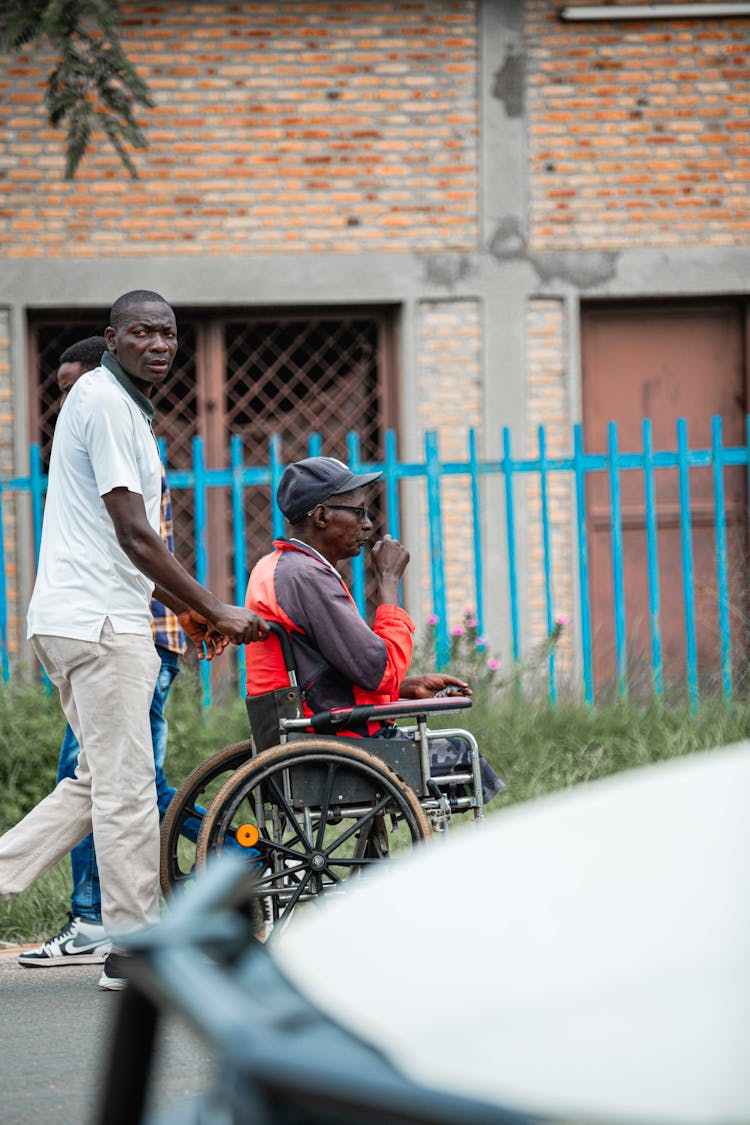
114	973
79	942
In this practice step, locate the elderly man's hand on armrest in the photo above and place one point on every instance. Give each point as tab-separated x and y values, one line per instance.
431	684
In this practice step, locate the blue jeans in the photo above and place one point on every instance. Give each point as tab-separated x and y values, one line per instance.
86	898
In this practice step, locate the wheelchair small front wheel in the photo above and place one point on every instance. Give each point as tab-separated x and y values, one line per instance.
182	820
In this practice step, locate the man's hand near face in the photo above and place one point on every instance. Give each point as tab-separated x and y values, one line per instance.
389	561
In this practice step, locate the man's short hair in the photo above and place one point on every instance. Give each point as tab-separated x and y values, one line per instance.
87	352
136	297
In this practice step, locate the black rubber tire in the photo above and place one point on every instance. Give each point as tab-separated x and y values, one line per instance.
298	844
173	871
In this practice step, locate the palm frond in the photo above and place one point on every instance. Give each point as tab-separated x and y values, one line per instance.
94	86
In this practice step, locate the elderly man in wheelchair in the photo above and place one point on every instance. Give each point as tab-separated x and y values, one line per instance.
331	783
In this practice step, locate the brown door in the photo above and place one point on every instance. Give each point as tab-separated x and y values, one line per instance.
665	362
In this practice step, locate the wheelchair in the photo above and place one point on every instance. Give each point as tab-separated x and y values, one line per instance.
311	810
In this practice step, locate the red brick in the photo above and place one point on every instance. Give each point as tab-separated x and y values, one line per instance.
666	80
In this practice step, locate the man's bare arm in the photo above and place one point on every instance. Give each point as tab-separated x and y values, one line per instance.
178	589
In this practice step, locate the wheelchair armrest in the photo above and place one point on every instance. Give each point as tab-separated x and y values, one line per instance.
339	717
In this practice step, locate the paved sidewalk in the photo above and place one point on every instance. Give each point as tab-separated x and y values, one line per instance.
54	1034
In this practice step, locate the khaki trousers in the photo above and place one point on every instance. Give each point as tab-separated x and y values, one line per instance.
105	689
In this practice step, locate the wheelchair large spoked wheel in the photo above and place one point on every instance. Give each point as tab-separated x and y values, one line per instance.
183	818
313	816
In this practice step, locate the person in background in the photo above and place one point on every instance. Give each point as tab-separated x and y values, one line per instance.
76	360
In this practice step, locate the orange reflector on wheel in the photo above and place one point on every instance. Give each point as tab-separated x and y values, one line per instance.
247	835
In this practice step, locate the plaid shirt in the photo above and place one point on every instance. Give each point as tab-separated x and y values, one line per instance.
165	627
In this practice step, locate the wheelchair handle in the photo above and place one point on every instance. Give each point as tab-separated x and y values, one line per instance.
286	650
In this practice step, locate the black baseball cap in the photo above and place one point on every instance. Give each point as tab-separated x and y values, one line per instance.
306	483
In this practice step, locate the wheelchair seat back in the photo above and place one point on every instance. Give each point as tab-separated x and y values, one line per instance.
266	711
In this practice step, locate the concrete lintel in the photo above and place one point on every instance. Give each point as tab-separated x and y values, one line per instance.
242	281
648	273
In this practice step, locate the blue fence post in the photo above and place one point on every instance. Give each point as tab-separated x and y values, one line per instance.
38	486
547	557
201	558
4	660
652	557
618	580
239	540
277	469
437	567
393	513
478	551
36	478
393	508
579	468
510	534
686	540
358	562
720	526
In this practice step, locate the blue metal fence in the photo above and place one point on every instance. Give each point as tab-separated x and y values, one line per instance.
575	468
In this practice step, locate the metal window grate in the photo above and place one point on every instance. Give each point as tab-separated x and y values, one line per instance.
48	338
295	378
317	376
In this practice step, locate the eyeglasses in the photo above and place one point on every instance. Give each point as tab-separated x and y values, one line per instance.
364	511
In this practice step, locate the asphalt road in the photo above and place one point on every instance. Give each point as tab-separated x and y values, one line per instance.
55	1030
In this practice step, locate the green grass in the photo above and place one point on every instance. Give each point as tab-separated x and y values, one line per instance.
540	749
535	748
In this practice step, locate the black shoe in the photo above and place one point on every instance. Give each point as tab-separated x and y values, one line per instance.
114	973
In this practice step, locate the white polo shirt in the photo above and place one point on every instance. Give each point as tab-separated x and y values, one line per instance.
103	440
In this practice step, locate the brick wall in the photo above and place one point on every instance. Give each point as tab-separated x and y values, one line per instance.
324	126
449	389
639	132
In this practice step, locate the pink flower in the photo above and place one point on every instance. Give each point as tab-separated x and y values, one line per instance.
562	620
433	619
493	665
457	632
471	622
